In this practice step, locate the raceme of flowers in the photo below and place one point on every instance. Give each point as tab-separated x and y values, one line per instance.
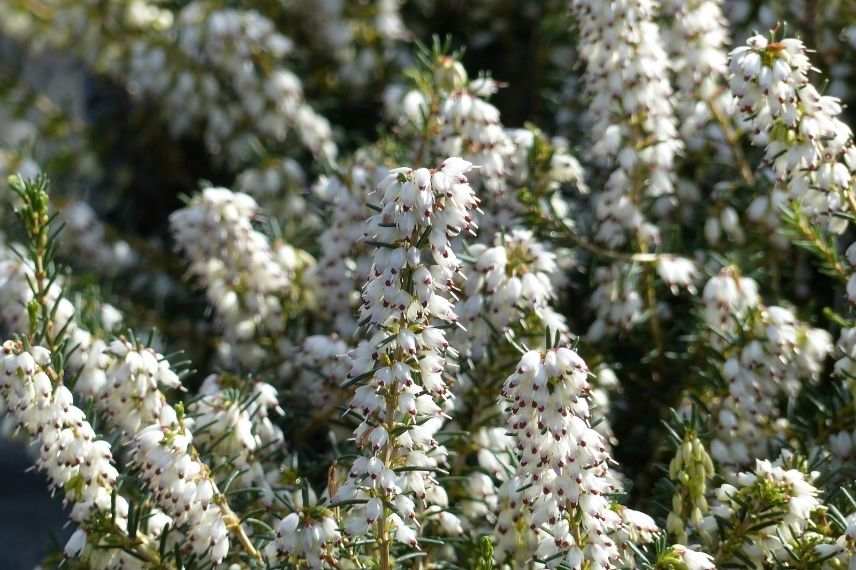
72	456
406	355
768	355
563	462
246	277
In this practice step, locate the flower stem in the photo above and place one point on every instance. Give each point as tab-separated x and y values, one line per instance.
733	140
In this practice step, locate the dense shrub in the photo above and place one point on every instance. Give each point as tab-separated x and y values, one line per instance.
283	288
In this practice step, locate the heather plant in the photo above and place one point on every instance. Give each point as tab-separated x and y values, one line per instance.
345	285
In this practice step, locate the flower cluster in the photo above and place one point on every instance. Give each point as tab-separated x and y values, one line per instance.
696	41
320	364
247	279
345	261
237	427
71	455
308	535
680	556
17	297
470	125
192	62
16	294
774	501
808	147
508	282
405	359
75	460
126	382
563	462
182	485
627	78
215	50
617	300
768	355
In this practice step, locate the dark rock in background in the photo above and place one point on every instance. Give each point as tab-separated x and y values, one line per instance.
31	522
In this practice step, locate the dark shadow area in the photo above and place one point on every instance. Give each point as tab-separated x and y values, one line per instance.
31	522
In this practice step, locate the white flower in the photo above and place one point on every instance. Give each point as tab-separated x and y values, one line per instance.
616	300
677	272
407	295
695	42
345	260
773	354
561	460
237	415
246	277
74	460
506	284
128	381
766	480
694	559
626	76
806	144
309	535
181	485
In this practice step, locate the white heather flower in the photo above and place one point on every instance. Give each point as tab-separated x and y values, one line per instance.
616	300
515	536
181	485
677	272
492	448
450	524
236	424
471	128
220	50
728	297
126	382
769	486
75	544
16	293
310	534
563	462
319	365
406	297
564	167
693	559
192	63
74	460
627	78
70	454
636	529
507	283
696	43
247	279
345	260
806	144
768	354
